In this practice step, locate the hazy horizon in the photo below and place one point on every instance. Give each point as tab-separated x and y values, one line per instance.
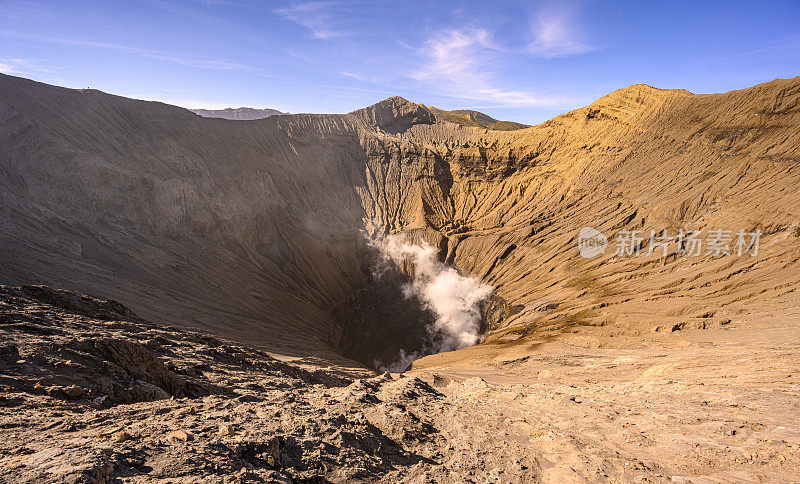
518	61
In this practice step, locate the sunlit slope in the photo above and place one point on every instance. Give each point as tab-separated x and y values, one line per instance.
638	159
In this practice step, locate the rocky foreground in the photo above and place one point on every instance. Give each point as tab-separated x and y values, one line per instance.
92	393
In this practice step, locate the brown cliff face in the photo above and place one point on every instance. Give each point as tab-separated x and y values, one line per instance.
255	231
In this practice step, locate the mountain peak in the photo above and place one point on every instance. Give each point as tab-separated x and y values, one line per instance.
395	114
641	93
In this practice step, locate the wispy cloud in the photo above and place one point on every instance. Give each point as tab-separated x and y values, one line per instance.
460	62
210	3
353	75
189	61
786	46
199	63
454	54
25	67
375	78
557	34
315	16
22	67
193	103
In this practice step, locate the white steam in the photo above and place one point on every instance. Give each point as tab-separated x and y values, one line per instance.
453	298
403	361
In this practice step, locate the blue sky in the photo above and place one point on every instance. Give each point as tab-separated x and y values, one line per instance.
523	61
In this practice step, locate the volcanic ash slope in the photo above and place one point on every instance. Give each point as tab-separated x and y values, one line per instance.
255	230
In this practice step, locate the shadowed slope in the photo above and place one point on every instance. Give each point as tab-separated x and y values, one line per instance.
198	221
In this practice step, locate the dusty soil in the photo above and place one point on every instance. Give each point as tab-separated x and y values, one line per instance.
716	405
720	405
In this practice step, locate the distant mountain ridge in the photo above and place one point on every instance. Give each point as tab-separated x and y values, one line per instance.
461	117
468	117
237	114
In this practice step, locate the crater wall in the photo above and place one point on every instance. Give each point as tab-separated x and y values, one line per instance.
258	230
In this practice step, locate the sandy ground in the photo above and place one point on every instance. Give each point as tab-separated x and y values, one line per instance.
719	405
